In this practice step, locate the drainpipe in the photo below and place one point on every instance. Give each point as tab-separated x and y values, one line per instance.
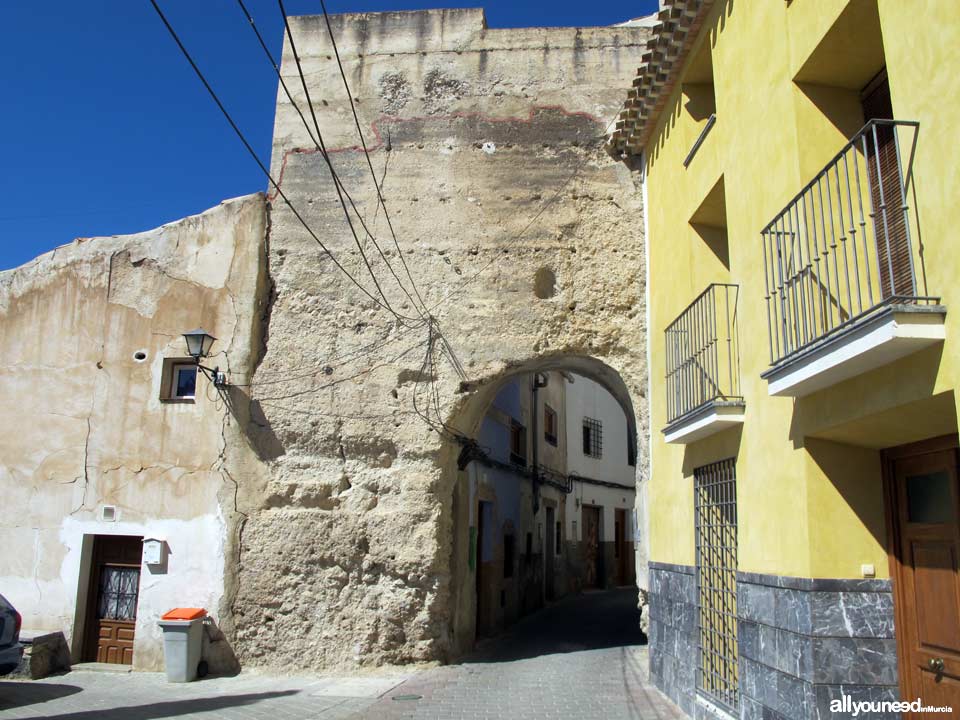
539	381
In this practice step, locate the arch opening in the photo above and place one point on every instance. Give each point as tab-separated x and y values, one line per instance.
544	482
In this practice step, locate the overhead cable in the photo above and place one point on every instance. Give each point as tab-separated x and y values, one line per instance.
264	169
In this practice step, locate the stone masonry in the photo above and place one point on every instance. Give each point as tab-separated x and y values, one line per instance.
351	546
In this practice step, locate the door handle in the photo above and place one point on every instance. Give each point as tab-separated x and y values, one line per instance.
936	665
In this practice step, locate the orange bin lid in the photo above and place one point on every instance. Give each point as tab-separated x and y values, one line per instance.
184	614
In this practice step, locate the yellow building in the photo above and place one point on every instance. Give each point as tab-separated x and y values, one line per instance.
801	181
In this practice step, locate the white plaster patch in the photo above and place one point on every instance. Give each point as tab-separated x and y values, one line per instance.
489	148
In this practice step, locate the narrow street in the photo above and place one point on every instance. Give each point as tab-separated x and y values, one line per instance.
580	658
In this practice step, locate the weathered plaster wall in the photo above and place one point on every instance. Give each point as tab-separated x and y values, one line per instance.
356	546
86	426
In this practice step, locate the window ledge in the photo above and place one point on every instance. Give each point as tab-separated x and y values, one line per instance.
890	334
179	401
706	420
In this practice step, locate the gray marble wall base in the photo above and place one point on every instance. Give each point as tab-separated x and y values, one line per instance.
804	640
672	633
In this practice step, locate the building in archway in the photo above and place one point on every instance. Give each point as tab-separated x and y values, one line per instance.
804	494
321	487
551	476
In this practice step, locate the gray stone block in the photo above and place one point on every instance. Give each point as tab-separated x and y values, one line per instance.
757	603
858	661
792	610
845	614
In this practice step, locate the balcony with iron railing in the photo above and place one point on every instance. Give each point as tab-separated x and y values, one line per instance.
703	367
843	267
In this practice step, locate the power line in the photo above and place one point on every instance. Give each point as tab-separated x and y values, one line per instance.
317	145
263	168
366	152
326	157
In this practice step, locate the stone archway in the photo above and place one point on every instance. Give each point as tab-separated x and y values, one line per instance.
525	241
466	415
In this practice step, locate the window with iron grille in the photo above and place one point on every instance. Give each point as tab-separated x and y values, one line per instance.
715	504
592	438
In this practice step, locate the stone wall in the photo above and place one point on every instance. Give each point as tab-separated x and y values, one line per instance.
672	632
804	641
85	331
488	145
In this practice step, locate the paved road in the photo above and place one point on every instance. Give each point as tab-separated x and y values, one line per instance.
580	658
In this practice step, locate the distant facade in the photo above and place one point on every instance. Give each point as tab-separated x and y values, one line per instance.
555	494
802	254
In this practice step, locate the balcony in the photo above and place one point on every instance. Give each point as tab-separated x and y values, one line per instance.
845	286
703	367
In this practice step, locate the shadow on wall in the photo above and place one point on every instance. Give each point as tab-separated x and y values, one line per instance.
219	655
725	444
895	405
252	420
856	475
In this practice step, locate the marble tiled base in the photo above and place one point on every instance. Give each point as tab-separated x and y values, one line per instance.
672	633
803	642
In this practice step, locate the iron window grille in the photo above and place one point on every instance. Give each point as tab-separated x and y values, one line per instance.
715	505
592	438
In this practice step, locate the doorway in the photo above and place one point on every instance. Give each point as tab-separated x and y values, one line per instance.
112	601
923	516
550	555
619	546
592	576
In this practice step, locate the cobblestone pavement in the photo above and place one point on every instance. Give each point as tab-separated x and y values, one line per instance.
580	658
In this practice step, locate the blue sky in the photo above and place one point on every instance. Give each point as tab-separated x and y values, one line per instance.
105	129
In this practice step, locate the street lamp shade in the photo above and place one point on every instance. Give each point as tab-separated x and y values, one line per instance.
199	342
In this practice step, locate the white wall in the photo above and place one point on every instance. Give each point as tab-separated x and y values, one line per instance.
586	398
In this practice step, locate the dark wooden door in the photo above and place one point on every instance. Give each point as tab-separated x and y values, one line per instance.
114	590
550	555
619	546
591	547
926	498
886	192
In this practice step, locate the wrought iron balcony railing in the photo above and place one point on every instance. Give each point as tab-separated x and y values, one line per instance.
703	357
847	244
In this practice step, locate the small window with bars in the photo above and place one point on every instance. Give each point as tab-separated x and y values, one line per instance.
715	519
592	438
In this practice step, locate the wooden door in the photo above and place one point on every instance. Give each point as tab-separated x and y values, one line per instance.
619	546
886	192
924	562
550	555
591	547
112	605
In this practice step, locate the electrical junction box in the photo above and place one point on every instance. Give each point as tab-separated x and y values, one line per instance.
153	551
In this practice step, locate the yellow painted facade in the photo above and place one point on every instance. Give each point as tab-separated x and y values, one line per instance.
786	80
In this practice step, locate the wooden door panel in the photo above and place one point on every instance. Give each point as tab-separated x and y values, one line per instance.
935	578
112	606
925	552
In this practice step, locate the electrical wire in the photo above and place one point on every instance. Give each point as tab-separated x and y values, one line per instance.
333	173
263	168
366	152
306	125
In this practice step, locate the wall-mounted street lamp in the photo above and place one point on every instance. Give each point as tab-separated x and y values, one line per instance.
199	343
